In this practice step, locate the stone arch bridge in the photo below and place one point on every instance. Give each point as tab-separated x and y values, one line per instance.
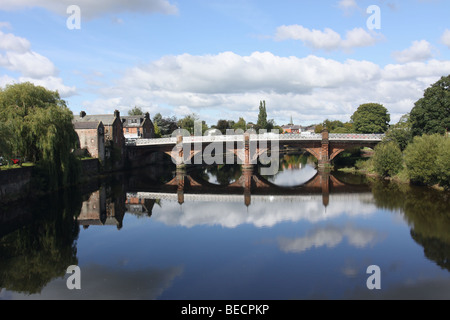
248	147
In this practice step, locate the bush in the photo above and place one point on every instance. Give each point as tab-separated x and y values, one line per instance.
388	159
443	164
421	159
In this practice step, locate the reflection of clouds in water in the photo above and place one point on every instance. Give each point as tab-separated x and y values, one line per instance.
103	283
290	178
330	237
262	214
423	289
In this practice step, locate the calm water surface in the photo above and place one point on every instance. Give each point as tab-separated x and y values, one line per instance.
225	233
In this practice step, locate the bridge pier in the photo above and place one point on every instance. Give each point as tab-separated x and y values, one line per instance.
324	164
247	175
180	178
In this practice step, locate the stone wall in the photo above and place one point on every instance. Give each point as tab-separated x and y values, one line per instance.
89	168
16	183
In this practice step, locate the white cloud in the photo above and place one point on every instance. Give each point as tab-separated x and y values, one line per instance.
445	39
29	64
16	56
4	24
346	4
312	88
330	237
265	214
327	39
419	51
92	9
10	42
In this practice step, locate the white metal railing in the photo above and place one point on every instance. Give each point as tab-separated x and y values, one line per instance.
257	137
355	136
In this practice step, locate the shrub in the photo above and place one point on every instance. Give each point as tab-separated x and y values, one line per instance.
388	159
443	164
421	156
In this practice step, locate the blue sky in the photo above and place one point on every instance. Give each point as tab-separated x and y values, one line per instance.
312	60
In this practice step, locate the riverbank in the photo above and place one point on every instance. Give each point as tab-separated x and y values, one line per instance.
400	178
17	183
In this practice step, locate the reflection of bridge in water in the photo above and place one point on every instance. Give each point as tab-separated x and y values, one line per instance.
107	206
250	187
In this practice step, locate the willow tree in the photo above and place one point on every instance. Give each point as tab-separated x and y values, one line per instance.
42	130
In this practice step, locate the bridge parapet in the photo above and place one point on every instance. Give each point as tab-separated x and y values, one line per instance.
258	137
356	136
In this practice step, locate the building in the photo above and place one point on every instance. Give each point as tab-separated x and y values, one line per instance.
112	124
290	128
139	126
92	129
91	138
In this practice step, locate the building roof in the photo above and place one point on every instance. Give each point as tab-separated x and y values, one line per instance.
107	119
132	121
86	125
135	121
294	127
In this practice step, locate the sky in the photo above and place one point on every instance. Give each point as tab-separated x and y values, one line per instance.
309	60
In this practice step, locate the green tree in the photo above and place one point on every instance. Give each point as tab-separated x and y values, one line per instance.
188	122
6	141
335	126
420	158
262	116
371	118
43	131
166	125
431	114
240	125
400	132
157	130
136	111
388	159
223	125
443	164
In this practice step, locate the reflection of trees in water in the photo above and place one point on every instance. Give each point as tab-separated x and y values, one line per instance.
427	211
294	161
224	173
350	178
435	249
43	249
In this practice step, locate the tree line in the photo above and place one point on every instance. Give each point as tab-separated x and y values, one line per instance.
417	148
165	126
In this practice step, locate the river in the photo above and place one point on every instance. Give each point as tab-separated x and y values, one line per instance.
221	232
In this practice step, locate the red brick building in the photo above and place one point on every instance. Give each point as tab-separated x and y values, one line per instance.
139	126
91	129
91	138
